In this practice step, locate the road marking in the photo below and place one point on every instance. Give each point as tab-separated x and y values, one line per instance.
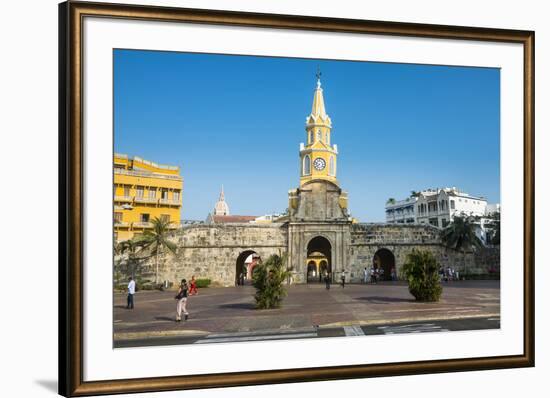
493	319
353	331
269	332
413	328
254	338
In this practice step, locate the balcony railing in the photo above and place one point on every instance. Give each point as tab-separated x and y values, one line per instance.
169	202
121	224
142	224
145	199
123	198
146	174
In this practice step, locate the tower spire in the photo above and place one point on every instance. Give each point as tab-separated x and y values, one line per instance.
318	107
318	75
318	155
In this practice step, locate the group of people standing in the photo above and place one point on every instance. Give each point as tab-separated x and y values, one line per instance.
184	291
449	274
376	274
328	279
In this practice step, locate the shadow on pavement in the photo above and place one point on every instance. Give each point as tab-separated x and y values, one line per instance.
164	318
385	300
239	306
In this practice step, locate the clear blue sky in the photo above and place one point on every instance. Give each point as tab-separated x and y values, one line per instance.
239	120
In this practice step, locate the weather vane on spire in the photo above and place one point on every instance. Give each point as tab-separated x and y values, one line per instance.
318	75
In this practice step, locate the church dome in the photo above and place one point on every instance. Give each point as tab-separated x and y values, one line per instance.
221	208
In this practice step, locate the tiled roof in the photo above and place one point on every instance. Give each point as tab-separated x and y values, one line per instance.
232	219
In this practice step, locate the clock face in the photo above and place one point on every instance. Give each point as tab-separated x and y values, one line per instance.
319	164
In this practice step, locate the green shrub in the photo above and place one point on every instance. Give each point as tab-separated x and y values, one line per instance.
268	278
203	282
421	271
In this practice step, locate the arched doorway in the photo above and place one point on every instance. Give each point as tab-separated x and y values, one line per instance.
311	271
318	259
384	260
246	261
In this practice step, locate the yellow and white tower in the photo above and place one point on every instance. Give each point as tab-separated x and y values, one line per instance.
318	159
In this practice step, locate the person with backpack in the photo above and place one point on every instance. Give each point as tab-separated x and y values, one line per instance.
182	301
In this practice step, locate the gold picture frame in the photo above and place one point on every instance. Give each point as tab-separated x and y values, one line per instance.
71	17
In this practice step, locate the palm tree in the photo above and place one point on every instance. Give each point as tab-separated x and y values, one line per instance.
268	278
460	235
414	194
495	232
156	240
130	246
390	201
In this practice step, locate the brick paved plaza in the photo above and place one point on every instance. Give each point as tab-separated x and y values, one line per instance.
231	312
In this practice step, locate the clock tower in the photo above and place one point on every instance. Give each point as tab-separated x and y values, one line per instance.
318	157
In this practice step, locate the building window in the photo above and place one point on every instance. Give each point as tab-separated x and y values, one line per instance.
331	166
307	165
152	193
444	222
434	222
118	217
126	191
176	196
144	217
310	137
452	204
164	194
165	218
139	192
318	135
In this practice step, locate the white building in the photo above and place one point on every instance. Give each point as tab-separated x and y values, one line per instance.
438	207
401	211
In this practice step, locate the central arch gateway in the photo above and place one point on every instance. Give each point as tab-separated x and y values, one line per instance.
319	255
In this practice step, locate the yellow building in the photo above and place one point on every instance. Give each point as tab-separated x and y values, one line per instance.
144	190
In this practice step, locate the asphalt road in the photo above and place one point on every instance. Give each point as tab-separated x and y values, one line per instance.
431	326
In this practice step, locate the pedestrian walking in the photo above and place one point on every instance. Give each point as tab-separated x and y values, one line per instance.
393	273
182	301
327	280
193	287
365	275
131	292
343	278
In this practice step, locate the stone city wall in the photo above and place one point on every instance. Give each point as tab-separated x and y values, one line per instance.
211	251
367	239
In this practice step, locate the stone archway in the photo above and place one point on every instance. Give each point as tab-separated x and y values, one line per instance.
319	254
311	271
244	266
384	260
